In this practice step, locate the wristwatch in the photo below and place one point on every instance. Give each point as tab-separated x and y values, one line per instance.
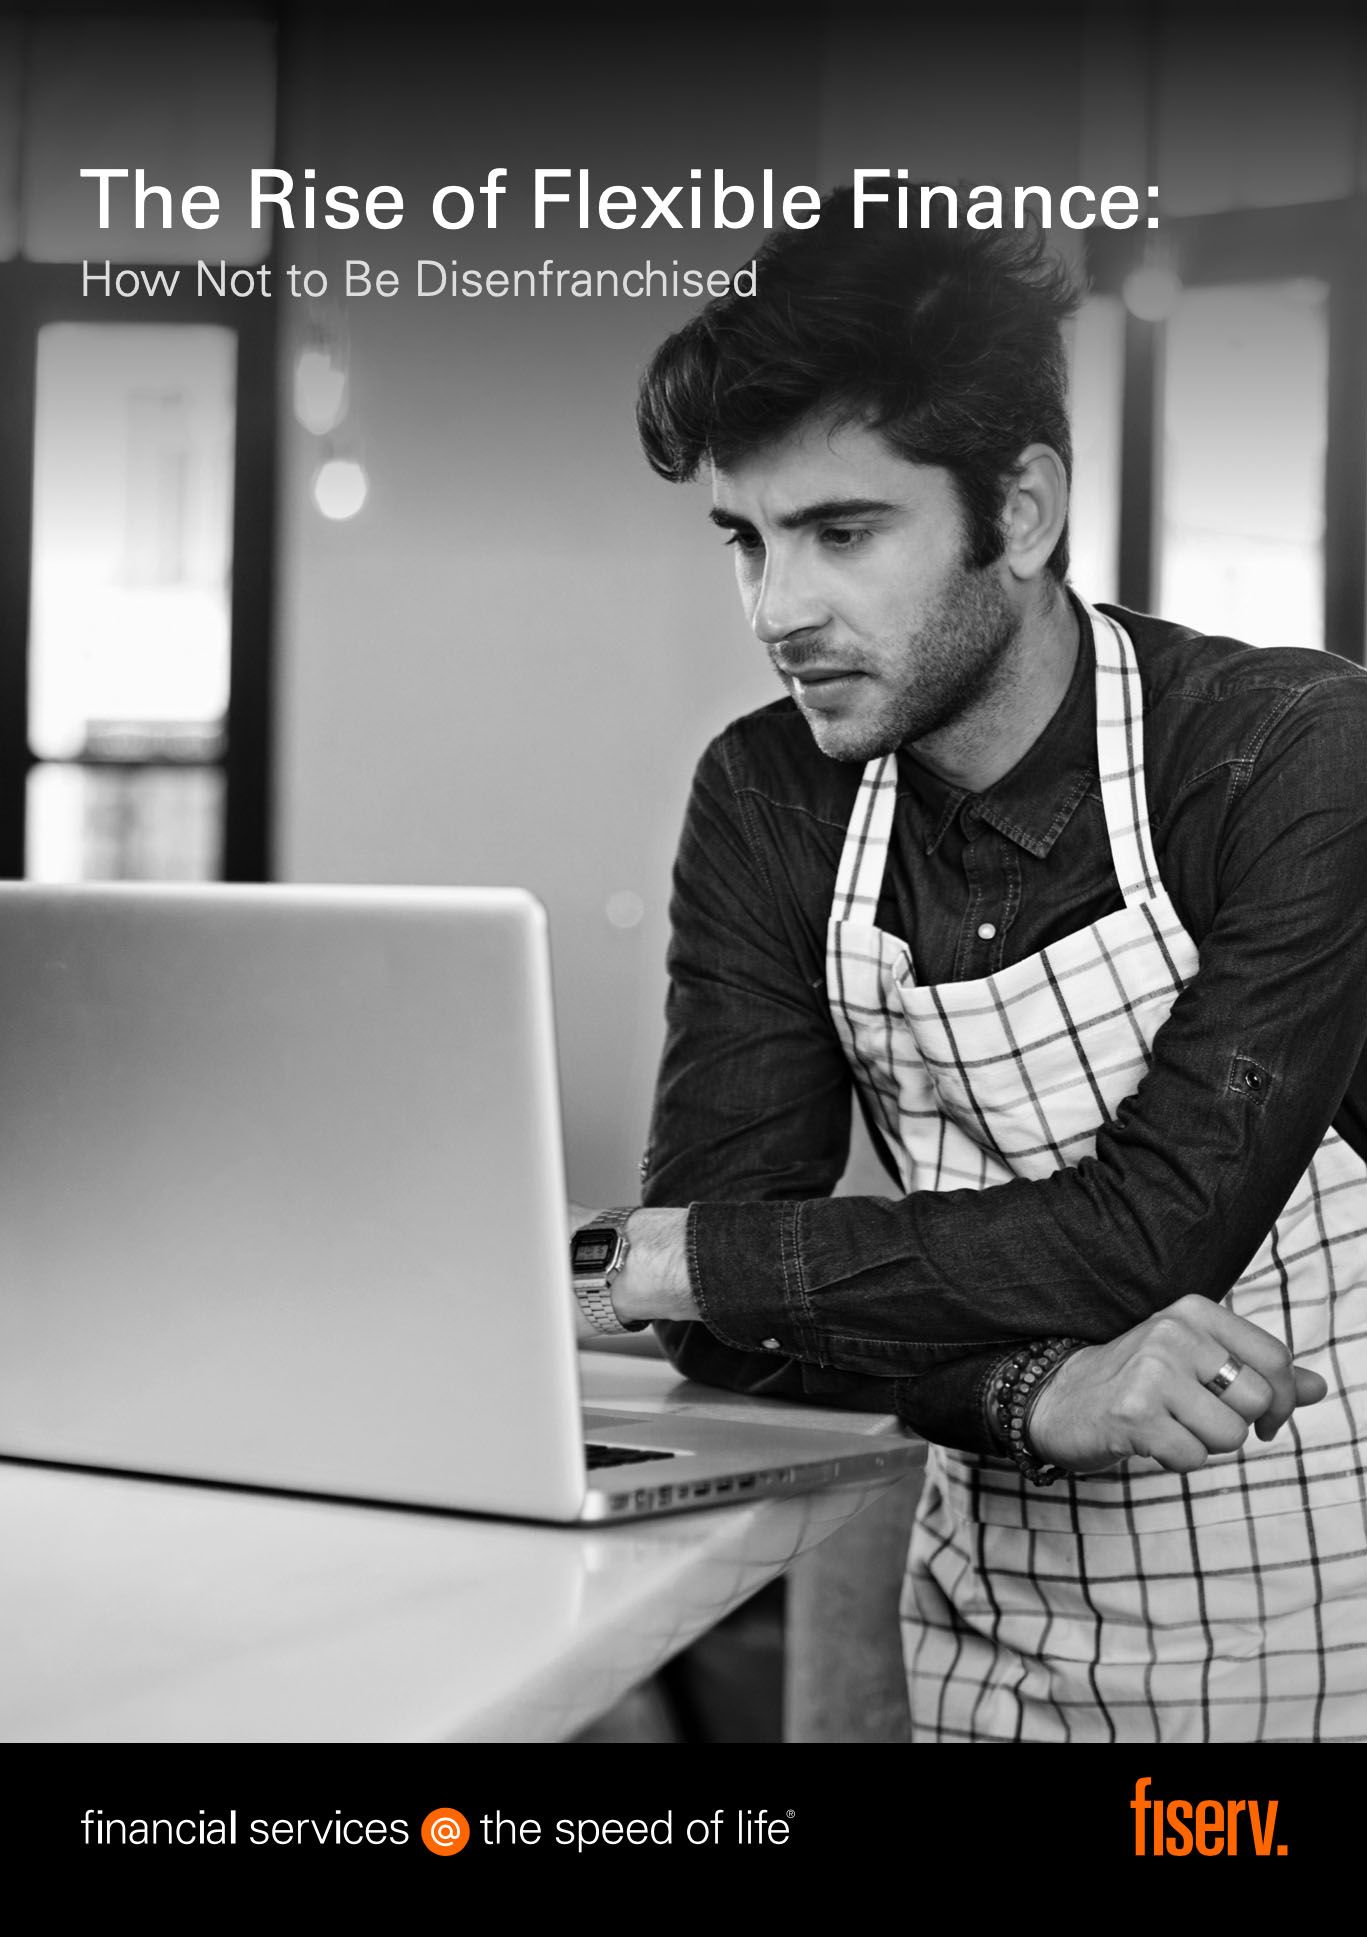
597	1253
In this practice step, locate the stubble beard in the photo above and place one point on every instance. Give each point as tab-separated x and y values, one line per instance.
951	664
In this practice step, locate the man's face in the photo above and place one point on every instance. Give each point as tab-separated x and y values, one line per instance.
851	567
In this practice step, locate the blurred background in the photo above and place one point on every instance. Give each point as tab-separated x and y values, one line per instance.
380	589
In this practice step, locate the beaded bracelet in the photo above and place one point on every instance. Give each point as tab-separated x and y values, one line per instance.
1018	1385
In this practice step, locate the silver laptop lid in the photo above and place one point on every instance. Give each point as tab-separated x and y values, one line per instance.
282	1192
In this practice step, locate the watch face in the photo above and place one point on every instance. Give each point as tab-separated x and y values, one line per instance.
593	1248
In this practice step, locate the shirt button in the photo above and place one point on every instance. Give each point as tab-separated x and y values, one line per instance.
771	1345
986	930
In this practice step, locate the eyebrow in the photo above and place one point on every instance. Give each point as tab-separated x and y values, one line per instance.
828	511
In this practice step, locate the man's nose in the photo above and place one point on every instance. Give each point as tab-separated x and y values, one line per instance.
788	600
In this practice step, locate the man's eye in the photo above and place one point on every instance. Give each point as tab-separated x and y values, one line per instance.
746	541
845	537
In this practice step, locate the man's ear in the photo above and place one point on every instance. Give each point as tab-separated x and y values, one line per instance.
1035	513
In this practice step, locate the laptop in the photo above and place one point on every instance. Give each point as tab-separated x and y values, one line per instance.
282	1204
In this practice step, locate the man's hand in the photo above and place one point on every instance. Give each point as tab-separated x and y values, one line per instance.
1147	1392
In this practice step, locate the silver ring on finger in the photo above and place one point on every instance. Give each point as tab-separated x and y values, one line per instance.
1220	1381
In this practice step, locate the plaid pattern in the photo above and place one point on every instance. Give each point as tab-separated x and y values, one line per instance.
1137	1605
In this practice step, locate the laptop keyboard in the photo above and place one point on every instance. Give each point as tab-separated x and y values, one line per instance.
597	1455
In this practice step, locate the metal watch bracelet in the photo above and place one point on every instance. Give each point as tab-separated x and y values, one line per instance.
593	1288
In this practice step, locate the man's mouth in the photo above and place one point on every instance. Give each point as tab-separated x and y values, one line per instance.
818	684
815	672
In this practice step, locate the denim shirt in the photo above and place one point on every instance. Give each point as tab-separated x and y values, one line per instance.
1257	782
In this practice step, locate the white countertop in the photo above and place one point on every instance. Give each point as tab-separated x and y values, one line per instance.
150	1610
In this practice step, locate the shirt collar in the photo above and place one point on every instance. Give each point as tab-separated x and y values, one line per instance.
1033	803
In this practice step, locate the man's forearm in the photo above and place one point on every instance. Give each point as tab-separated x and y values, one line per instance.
654	1284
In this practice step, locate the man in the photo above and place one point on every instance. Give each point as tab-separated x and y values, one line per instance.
1072	900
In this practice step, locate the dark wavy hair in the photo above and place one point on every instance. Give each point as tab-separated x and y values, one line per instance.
945	340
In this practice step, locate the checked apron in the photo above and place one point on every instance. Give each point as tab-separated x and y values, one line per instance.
1135	1605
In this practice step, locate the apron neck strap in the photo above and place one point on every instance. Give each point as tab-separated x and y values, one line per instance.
1120	759
863	859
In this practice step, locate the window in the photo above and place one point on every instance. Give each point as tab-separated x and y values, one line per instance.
1243	499
129	662
1241	467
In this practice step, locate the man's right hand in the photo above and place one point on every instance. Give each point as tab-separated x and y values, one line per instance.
1146	1392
